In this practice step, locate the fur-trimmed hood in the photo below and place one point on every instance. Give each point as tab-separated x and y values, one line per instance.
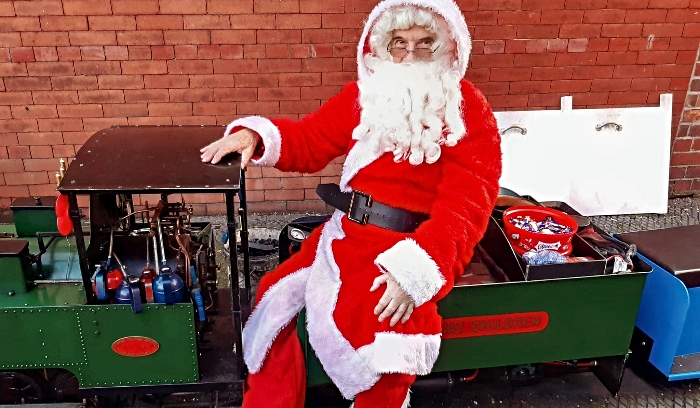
448	9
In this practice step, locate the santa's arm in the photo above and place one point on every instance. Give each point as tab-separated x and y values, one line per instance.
309	144
427	264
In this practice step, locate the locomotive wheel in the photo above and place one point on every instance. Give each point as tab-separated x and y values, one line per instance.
18	388
65	387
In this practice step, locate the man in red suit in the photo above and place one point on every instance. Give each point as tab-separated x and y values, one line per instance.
419	181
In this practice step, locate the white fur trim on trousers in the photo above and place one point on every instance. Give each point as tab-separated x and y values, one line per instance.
278	306
269	133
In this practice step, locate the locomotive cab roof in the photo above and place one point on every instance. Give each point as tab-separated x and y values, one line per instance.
150	159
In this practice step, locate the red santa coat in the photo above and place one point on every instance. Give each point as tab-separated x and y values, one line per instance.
332	274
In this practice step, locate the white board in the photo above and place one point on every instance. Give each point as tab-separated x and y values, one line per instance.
599	161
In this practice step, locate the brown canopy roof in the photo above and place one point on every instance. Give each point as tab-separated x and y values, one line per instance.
150	159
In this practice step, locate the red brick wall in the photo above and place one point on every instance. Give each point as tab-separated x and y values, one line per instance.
71	67
685	164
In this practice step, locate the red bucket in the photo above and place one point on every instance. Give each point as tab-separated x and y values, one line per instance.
522	240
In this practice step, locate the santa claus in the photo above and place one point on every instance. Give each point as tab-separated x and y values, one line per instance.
419	182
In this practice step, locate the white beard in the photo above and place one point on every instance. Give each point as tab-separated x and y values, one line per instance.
410	109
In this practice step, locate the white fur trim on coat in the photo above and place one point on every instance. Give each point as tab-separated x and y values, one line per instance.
402	353
361	154
269	133
280	303
343	364
414	270
446	8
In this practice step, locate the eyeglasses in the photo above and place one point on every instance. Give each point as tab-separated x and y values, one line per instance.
420	51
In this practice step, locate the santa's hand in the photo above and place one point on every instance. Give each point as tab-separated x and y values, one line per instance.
395	302
243	141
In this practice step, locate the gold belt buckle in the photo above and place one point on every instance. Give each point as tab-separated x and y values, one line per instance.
368	203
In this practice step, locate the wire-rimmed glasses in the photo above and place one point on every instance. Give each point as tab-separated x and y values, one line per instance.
420	51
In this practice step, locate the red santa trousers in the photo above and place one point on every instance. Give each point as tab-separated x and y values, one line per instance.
281	382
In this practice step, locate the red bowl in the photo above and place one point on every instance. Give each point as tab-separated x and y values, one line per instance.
523	241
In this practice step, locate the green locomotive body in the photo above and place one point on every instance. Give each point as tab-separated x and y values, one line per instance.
78	317
50	326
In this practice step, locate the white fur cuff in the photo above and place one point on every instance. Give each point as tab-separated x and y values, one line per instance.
269	133
413	269
402	353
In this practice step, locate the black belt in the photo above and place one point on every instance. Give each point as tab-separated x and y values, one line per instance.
362	209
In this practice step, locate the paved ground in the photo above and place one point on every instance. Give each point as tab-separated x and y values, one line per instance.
573	391
681	211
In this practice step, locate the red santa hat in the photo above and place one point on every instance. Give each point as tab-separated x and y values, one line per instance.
447	9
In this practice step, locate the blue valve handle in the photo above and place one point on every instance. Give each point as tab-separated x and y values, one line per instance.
193	274
197	295
135	298
199	301
101	283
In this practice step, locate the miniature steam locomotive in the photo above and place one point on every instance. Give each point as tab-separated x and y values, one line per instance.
131	305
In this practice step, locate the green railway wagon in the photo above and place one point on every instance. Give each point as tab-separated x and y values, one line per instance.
513	321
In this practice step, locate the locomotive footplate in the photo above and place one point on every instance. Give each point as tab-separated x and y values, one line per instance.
217	363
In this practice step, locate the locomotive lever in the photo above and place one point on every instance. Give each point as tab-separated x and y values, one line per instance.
155	226
167	286
147	274
121	266
148	255
111	247
159	232
155	254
